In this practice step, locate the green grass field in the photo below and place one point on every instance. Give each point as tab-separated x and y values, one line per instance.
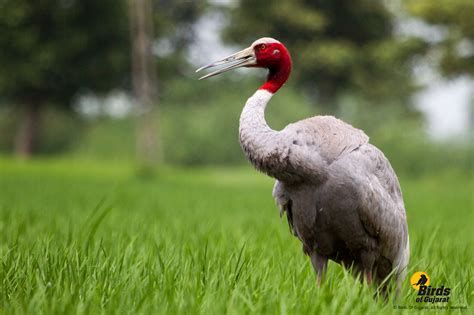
85	237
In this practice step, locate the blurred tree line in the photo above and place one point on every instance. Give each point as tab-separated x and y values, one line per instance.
52	50
349	60
338	46
454	18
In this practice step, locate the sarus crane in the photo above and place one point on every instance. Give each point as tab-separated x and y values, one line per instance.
340	194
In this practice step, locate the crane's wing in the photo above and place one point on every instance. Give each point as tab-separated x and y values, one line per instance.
317	142
382	211
324	146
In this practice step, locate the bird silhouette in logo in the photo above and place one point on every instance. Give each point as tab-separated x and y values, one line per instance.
422	281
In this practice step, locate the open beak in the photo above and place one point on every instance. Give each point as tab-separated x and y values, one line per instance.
243	58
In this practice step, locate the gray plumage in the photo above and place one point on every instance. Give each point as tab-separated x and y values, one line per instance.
340	194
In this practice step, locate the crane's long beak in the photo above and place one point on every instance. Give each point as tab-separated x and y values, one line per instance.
243	58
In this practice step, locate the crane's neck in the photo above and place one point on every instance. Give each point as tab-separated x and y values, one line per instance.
278	73
252	119
262	145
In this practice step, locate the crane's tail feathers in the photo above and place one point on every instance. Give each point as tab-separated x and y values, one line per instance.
284	204
401	262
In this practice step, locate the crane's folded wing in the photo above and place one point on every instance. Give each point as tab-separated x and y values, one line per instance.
315	143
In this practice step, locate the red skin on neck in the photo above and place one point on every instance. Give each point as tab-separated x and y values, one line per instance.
277	60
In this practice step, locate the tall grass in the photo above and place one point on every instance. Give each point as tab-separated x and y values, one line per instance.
81	237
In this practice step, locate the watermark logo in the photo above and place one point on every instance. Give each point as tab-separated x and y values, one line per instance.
419	278
430	295
420	281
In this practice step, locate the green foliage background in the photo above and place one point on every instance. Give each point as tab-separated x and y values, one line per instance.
348	61
455	19
51	50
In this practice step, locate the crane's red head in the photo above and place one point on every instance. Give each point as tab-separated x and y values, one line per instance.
263	53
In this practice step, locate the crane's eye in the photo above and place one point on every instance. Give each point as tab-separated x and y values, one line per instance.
262	47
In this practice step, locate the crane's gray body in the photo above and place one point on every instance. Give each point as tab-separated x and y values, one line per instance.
340	194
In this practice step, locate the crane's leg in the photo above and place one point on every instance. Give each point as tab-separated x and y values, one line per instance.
367	264
368	275
320	264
